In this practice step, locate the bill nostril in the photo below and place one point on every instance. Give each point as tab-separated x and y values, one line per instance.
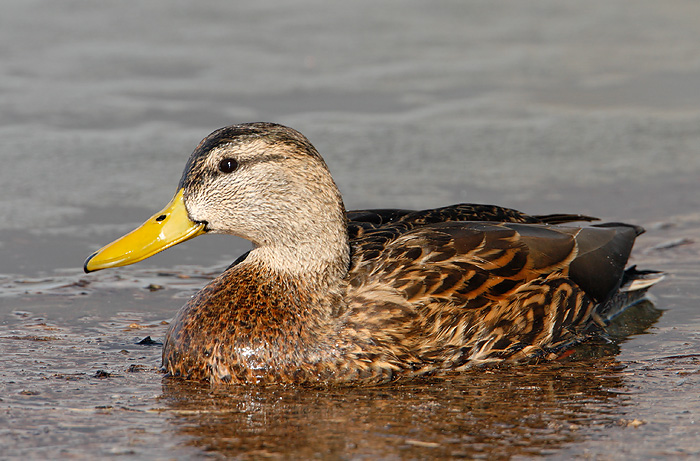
161	217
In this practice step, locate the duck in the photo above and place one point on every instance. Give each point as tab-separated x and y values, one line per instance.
334	297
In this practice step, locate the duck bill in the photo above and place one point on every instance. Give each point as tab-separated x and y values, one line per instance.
164	229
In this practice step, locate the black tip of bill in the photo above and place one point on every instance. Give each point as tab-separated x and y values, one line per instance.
85	266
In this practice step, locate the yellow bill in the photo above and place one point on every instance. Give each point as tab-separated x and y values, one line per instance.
169	227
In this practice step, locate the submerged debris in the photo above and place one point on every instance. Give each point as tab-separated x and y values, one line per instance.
147	341
102	374
133	368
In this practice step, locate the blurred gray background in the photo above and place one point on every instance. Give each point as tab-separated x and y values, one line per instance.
412	103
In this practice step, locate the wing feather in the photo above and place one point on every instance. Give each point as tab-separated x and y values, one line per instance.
479	291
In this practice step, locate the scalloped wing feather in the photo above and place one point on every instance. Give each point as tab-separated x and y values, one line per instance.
477	292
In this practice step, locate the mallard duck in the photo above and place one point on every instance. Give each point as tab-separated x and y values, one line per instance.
330	297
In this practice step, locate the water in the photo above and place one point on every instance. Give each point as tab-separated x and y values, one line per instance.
545	107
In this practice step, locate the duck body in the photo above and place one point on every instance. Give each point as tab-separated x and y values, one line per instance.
334	297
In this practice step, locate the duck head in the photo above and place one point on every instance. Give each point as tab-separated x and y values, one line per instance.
263	182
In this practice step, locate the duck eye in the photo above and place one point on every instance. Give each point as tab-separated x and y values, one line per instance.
228	165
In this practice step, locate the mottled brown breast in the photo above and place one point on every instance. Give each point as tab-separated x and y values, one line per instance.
251	326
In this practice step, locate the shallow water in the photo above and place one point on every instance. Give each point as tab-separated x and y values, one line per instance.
545	107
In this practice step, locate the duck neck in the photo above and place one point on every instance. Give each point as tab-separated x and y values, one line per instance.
309	244
318	257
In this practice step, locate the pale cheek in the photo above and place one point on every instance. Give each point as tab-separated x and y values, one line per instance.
201	209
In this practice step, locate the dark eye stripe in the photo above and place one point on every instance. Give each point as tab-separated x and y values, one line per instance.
228	165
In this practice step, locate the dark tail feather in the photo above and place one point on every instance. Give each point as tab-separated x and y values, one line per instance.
561	218
638	229
633	289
